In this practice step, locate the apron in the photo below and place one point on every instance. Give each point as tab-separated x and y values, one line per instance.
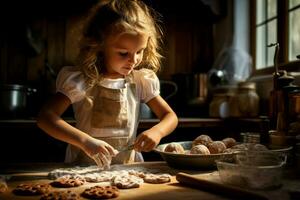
114	108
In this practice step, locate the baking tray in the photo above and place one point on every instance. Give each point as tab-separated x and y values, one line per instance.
190	161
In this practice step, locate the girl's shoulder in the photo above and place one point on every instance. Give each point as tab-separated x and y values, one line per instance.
70	73
69	70
144	75
147	84
70	82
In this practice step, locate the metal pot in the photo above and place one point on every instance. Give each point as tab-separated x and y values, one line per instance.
13	100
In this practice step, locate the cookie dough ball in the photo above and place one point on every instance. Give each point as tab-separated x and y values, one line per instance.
229	142
242	147
200	149
258	147
202	139
174	148
187	152
216	147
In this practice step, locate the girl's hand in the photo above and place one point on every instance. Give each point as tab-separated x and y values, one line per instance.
147	140
100	151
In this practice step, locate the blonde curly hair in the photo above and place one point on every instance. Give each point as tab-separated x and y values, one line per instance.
116	17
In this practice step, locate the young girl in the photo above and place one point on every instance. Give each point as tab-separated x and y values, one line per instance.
116	72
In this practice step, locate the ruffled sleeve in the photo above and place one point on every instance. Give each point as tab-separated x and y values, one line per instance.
147	84
70	82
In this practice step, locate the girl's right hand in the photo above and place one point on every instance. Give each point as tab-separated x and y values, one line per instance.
100	151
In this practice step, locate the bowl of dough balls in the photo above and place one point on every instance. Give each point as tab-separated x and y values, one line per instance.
199	154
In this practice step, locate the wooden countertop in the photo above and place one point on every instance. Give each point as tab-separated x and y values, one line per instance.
175	190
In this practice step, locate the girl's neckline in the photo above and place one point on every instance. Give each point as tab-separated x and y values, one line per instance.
114	79
113	83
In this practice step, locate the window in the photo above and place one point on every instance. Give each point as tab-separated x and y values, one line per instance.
294	29
275	21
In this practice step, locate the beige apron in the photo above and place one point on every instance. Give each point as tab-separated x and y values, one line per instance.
115	108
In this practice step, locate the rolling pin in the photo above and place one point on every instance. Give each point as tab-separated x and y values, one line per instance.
218	188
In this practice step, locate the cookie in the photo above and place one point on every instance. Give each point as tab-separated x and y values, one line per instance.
60	195
101	192
68	181
31	189
157	178
137	173
98	177
128	181
54	174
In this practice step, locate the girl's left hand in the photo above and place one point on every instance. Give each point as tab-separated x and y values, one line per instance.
147	140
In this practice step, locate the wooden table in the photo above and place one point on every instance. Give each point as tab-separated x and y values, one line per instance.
173	190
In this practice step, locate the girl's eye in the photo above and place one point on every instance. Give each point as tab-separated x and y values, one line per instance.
123	54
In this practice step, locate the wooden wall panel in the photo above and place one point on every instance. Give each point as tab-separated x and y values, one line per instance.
36	64
73	34
56	43
188	47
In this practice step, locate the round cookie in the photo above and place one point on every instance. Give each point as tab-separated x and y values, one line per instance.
128	181
157	178
62	195
202	139
101	192
216	147
68	181
31	189
200	149
229	142
174	148
98	177
137	173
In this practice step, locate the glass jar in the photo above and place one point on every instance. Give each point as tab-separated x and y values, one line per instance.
245	102
219	106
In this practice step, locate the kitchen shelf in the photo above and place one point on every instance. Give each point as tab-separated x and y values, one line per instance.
147	123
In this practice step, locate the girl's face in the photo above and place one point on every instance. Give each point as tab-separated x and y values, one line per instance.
122	53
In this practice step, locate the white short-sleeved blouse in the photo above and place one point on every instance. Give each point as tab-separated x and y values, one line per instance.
71	83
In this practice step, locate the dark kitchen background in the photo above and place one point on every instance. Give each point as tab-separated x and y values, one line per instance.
38	38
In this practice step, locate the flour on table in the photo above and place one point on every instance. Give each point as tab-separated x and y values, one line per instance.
120	176
77	170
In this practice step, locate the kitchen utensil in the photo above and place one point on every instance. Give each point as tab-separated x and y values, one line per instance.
189	161
217	188
127	148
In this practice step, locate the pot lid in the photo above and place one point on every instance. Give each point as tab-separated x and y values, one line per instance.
13	87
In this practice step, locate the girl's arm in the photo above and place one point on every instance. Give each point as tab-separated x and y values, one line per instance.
147	140
49	120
